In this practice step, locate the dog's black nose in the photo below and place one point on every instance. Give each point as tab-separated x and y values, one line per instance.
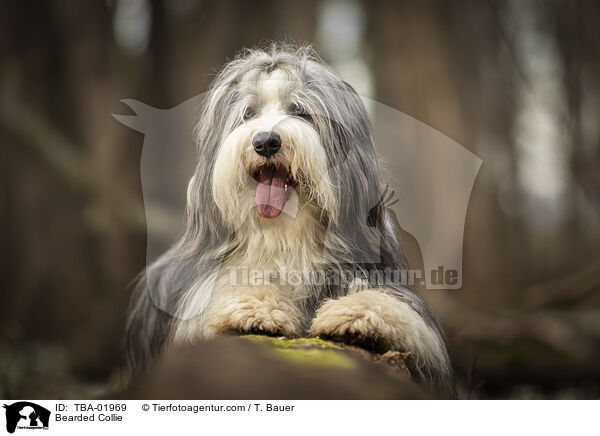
266	143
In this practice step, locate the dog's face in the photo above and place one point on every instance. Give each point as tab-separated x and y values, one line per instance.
274	152
284	143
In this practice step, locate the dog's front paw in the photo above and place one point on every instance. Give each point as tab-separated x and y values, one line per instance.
260	311
373	320
359	319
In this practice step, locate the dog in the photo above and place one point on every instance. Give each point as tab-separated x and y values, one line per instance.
287	180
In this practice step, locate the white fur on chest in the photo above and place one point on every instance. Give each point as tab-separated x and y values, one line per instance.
265	255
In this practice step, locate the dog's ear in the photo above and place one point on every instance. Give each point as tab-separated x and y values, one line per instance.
350	88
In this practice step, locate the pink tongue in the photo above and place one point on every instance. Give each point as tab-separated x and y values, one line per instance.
270	193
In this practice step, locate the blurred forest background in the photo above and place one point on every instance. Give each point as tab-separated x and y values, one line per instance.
515	82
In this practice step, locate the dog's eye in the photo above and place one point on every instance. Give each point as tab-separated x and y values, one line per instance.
296	109
248	113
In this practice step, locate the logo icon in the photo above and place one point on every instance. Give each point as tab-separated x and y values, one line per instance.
26	415
432	175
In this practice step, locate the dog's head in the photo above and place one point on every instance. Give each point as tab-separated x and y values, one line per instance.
279	127
274	148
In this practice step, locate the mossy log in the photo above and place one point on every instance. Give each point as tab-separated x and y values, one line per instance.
262	367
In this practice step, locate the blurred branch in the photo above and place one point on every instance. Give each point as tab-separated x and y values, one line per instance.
572	334
60	154
569	289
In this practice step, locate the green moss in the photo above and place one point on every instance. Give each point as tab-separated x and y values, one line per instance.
305	351
292	343
314	357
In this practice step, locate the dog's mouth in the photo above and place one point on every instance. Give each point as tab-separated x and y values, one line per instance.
273	190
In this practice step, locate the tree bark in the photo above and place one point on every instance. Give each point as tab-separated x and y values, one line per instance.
260	367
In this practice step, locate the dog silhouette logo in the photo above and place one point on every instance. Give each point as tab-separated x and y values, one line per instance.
26	415
430	179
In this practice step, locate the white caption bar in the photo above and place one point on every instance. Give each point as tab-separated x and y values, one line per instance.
300	417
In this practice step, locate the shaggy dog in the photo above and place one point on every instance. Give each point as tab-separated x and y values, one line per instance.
286	229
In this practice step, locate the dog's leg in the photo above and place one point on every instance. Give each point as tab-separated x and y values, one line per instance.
244	309
379	321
